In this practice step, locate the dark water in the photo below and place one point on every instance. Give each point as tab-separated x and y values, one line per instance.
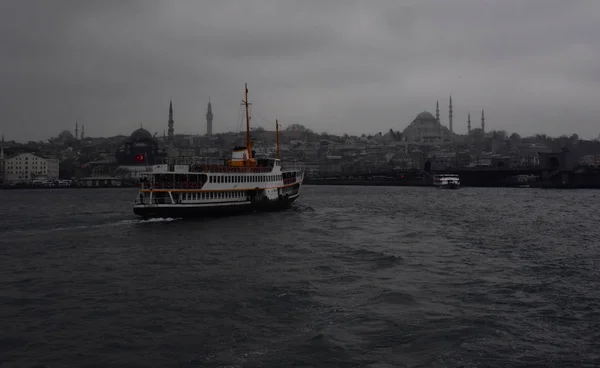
352	276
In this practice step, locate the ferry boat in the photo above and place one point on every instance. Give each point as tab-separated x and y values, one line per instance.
243	183
446	181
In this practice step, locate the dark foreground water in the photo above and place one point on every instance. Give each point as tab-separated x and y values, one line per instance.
351	276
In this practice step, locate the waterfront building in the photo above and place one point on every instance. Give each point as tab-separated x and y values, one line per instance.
137	153
29	167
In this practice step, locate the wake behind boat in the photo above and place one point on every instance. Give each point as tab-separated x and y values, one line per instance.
240	184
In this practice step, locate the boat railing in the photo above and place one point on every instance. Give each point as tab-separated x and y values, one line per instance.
289	181
149	201
173	185
231	169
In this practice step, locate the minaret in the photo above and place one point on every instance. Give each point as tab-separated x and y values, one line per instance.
171	122
437	111
450	115
482	122
469	124
209	119
82	132
76	130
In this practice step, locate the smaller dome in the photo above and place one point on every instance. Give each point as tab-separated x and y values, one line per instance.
141	134
425	115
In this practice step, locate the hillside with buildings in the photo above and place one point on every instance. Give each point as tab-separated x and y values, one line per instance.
97	161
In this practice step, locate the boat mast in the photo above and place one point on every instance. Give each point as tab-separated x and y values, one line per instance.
277	132
247	125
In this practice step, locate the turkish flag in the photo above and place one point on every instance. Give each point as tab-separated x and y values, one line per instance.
140	158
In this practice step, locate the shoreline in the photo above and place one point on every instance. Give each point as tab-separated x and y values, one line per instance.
64	187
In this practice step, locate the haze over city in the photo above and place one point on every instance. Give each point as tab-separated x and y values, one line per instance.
336	66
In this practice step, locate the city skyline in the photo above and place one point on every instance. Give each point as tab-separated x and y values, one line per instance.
337	67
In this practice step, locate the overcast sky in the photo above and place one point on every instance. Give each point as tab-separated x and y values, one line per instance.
331	65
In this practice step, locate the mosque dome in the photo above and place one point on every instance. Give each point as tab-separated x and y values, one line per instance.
65	134
141	134
425	128
139	143
425	115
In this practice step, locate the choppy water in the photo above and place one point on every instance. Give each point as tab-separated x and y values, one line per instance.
351	276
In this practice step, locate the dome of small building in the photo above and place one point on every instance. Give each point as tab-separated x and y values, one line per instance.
141	134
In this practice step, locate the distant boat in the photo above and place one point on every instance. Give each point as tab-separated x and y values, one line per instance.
446	181
520	181
241	184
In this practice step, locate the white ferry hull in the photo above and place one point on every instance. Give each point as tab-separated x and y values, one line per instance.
449	186
211	209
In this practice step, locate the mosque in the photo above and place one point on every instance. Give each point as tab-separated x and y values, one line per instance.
141	150
426	128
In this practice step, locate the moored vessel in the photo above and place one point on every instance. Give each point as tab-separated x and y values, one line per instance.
240	184
446	181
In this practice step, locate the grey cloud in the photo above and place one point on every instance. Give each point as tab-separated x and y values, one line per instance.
337	66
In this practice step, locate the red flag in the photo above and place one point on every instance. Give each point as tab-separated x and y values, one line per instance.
140	157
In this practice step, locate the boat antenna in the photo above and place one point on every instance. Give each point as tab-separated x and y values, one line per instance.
248	147
277	135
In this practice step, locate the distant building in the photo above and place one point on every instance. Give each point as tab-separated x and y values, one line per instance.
425	128
139	149
137	153
29	167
